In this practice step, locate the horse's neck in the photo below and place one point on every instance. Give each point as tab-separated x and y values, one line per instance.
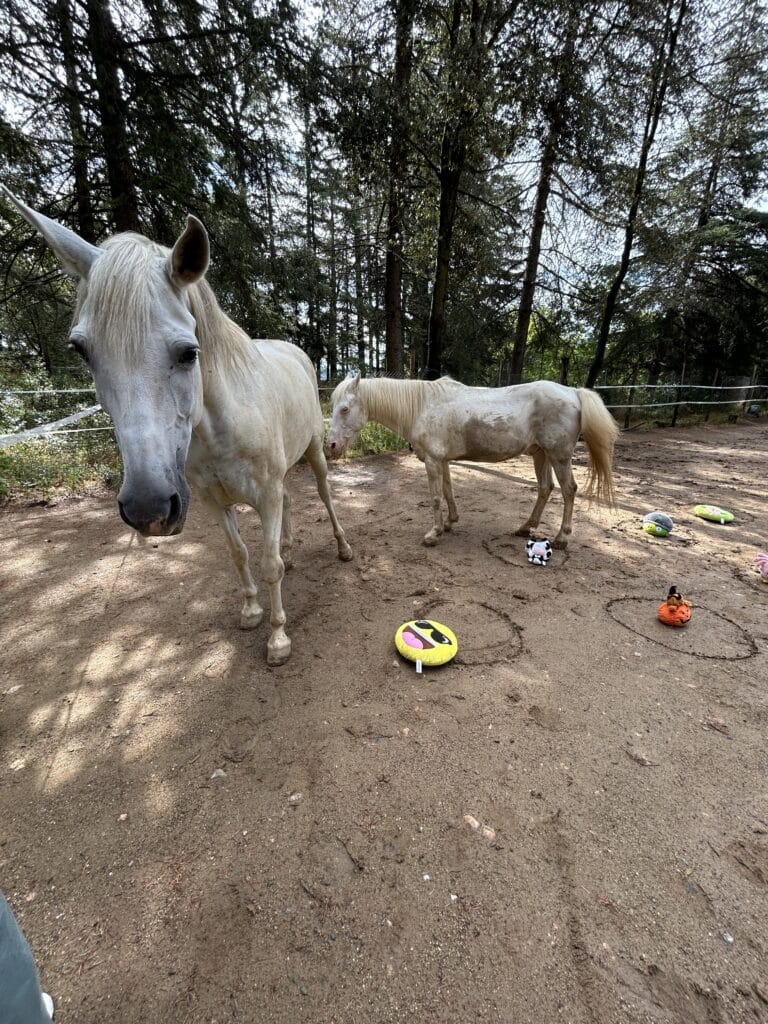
397	404
228	356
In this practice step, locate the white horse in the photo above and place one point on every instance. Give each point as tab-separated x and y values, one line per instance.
447	421
191	394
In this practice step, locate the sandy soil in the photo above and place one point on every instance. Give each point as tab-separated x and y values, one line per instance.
330	874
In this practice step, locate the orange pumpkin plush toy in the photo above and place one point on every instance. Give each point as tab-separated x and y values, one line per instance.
676	610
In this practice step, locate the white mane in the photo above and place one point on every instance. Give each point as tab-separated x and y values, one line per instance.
398	403
125	286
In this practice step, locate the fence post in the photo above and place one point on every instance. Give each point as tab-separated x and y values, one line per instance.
631	399
714	385
678	396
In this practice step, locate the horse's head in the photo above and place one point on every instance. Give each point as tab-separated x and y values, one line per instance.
134	329
348	416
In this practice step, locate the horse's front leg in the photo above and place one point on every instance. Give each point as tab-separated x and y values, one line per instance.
273	569
316	459
251	612
434	468
453	515
543	469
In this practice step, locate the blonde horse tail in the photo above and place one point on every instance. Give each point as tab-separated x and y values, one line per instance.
600	431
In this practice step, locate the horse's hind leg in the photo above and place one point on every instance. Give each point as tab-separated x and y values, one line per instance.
251	613
286	542
567	481
434	468
316	459
543	469
453	514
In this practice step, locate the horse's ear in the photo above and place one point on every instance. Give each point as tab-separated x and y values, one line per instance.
189	259
354	385
75	253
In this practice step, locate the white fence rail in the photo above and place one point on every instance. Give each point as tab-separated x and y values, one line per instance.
47	429
740	394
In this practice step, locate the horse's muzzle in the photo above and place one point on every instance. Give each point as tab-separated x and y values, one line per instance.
160	518
335	449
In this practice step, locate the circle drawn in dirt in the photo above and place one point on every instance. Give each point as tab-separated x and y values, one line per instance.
709	634
485	634
510	550
679	535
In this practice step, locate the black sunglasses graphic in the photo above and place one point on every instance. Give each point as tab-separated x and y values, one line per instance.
434	632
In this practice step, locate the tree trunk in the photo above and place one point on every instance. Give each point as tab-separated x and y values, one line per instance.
453	152
556	116
565	363
372	296
333	301
419	308
674	311
452	155
660	81
311	242
525	310
466	89
398	166
104	42
86	224
359	294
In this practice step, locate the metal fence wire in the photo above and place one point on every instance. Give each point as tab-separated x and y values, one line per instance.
749	399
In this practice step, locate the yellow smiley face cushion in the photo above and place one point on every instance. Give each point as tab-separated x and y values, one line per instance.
426	641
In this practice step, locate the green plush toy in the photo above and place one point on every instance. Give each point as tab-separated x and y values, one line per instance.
714	514
658	524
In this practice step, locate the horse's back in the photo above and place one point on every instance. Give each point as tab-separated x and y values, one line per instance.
493	424
287	359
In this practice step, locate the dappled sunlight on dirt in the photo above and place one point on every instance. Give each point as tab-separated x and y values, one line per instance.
562	824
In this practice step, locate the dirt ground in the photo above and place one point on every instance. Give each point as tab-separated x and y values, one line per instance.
568	823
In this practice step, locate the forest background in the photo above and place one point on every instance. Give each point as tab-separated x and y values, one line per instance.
497	189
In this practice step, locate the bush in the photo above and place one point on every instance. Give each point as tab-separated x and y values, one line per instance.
38	468
375	438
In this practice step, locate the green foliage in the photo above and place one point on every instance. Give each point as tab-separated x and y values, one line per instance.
375	438
42	467
278	135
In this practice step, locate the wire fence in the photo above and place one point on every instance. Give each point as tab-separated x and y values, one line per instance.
742	398
750	399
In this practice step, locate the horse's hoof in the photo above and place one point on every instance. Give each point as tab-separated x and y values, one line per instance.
430	540
560	545
523	531
279	651
250	620
346	554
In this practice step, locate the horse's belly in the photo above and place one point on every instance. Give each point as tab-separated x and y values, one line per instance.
489	441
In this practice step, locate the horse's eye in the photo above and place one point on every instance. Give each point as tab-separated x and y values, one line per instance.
343	410
75	346
188	355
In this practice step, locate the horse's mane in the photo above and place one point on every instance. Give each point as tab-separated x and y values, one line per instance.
126	280
398	403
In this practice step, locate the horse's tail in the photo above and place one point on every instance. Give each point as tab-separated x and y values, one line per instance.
600	431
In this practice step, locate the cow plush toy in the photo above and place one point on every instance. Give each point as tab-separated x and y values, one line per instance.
539	551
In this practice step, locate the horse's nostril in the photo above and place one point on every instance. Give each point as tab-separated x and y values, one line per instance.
175	509
123	516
